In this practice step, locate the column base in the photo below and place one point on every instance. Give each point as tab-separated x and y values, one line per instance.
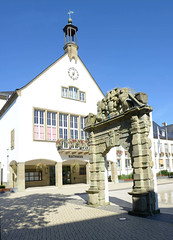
143	214
143	204
93	197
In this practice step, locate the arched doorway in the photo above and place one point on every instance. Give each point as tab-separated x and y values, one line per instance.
40	172
122	119
75	171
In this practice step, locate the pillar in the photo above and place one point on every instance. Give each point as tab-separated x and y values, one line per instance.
21	176
87	173
143	196
58	174
114	174
96	192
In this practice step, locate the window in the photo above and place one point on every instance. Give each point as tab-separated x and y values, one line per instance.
82	96
39	125
118	164
163	133
33	176
65	92
51	126
82	170
161	165
73	93
127	163
82	125
167	163
74	127
171	148
63	128
166	148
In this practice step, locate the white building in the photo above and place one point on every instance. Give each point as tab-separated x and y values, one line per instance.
50	107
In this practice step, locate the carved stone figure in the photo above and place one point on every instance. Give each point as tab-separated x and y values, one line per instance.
141	97
118	101
90	119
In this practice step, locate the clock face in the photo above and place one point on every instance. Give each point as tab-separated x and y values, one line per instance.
73	73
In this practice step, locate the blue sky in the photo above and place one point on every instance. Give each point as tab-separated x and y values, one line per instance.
123	43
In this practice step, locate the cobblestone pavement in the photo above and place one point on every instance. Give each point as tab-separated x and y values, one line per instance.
50	213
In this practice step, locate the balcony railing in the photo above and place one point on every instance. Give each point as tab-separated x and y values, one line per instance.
72	144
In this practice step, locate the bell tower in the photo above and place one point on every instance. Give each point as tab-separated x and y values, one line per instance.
70	35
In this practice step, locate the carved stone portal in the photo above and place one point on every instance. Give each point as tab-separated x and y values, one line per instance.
122	119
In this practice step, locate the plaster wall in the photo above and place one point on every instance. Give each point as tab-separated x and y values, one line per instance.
8	122
45	93
2	102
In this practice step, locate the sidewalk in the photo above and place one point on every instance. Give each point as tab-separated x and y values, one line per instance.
63	214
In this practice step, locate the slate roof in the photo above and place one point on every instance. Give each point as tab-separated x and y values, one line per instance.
166	132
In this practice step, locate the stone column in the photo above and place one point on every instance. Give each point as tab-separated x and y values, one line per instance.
96	192
114	174
87	173
58	174
143	195
21	176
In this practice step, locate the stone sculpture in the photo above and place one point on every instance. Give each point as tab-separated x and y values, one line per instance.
116	102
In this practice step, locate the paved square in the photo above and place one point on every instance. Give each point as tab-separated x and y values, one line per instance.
62	214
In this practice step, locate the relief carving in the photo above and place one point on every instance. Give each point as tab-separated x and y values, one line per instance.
117	101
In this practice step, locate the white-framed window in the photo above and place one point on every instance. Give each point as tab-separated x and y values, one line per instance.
127	163
171	148
65	92
82	96
51	126
74	127
166	148
167	163
82	132
73	93
39	127
63	127
118	164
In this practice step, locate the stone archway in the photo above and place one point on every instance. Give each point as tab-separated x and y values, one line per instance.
122	119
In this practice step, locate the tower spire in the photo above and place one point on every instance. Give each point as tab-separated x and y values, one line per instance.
71	46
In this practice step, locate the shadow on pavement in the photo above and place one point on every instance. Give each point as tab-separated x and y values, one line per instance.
103	228
29	211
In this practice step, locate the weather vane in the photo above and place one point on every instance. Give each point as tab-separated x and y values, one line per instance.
69	13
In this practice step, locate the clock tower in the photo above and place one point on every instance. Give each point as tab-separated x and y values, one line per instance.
71	46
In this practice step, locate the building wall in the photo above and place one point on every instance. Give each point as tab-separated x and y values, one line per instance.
2	102
45	93
163	156
8	123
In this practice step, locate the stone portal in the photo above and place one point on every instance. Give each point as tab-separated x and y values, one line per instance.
122	119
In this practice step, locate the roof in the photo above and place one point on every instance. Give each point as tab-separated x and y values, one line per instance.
165	132
14	94
5	95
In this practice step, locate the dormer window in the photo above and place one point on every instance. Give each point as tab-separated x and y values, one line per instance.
163	133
